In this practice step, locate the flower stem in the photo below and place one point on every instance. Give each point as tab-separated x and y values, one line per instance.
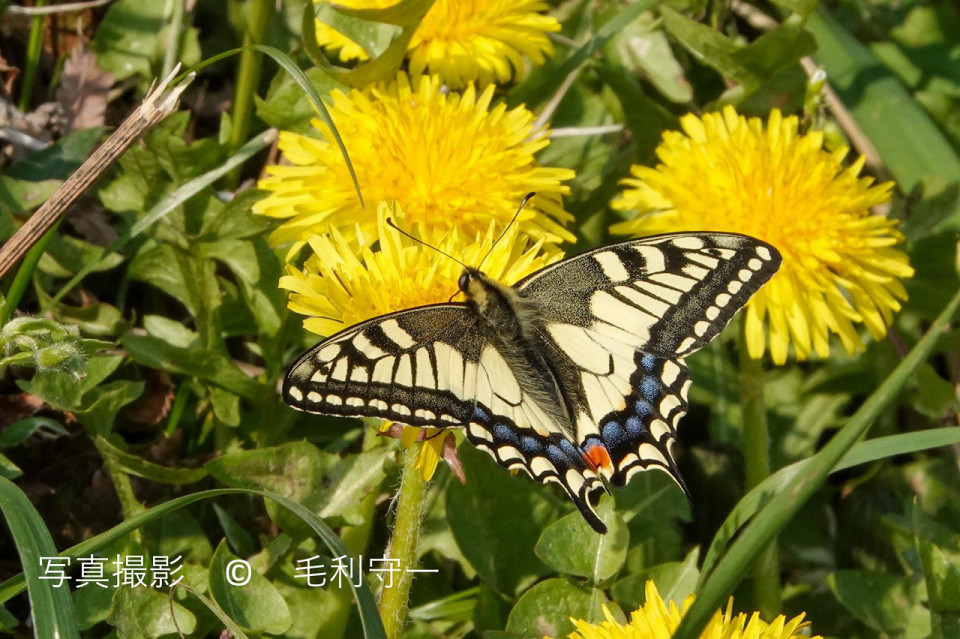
404	545
756	453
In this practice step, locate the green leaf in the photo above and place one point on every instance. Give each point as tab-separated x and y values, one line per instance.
496	520
179	534
21	430
51	609
933	396
142	468
212	367
256	606
546	609
133	36
295	470
877	599
570	546
8	469
675	581
187	278
241	541
30	182
144	613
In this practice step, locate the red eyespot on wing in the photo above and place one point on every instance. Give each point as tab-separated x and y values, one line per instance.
597	457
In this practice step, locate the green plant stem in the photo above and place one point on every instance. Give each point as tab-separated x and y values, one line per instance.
22	280
129	504
404	545
248	78
785	505
756	453
34	49
172	53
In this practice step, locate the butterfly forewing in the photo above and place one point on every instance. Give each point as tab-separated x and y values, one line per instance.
667	295
407	366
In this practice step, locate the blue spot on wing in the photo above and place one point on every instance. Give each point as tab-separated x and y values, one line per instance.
650	387
648	362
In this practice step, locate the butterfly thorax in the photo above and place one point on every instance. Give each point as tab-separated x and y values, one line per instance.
500	306
511	319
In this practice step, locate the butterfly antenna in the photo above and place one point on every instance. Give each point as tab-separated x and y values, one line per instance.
417	239
526	199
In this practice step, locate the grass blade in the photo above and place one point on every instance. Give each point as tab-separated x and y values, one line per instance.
862	453
784	505
50	608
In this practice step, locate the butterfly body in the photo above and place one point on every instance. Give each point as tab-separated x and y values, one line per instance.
574	373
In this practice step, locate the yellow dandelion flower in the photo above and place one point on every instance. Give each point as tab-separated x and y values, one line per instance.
450	160
463	41
841	267
338	288
657	619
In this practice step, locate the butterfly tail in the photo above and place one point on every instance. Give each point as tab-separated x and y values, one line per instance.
547	460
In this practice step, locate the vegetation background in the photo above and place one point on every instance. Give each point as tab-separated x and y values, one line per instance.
142	344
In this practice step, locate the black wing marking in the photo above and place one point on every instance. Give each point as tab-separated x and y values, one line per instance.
667	295
409	366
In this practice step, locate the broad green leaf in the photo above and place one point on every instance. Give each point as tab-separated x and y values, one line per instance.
496	520
288	108
535	93
132	37
51	610
570	546
675	581
644	49
256	606
212	367
384	65
240	540
21	430
546	609
140	467
186	278
179	535
877	599
92	605
144	613
941	571
31	181
295	470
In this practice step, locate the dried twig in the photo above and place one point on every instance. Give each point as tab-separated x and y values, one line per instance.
58	8
159	102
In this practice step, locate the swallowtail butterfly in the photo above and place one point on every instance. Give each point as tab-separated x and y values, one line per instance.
574	373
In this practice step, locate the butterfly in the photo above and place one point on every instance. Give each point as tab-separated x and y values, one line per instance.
573	374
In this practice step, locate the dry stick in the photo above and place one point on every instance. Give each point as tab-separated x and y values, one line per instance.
60	8
845	119
159	102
